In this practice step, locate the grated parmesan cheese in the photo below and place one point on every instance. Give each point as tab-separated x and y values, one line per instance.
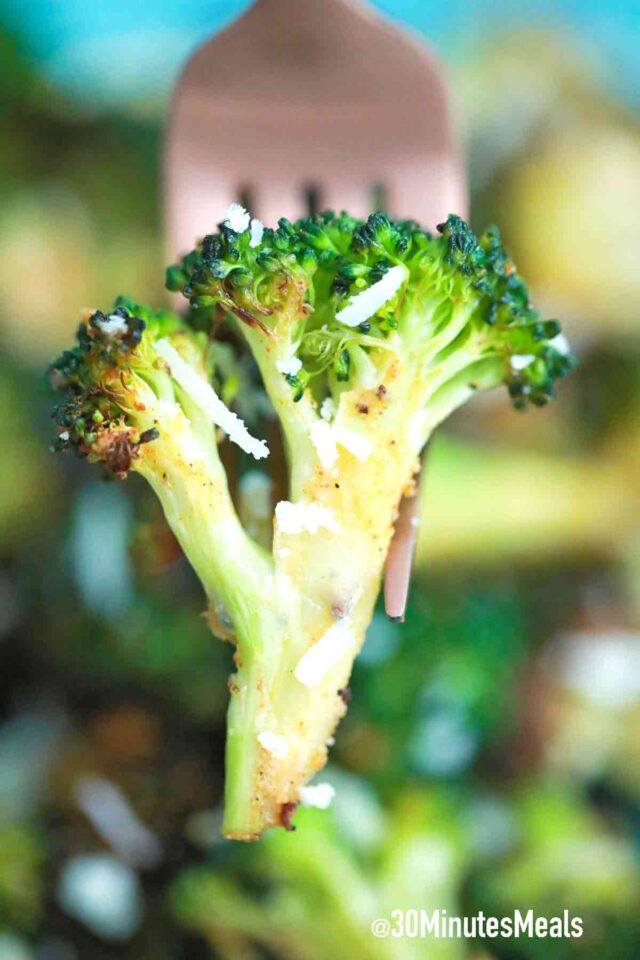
113	326
560	343
257	231
291	365
325	443
327	408
329	650
521	361
317	795
355	443
363	305
416	430
304	517
203	394
236	218
274	744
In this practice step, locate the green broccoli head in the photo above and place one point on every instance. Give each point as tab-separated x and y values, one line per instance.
329	305
367	334
334	300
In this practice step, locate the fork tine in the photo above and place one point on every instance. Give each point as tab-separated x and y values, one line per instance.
397	573
354	198
195	206
429	194
280	199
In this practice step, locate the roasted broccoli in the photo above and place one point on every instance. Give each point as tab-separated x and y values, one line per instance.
366	335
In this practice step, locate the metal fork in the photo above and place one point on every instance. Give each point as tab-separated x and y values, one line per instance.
303	105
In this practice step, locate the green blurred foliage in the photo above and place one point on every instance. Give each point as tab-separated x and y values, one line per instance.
21	880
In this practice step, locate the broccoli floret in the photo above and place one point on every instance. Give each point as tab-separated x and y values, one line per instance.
367	334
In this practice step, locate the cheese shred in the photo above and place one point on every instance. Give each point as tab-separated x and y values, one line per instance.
203	394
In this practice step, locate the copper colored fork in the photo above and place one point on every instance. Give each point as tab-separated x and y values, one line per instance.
302	106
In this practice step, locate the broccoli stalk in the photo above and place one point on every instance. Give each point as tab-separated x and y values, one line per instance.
366	336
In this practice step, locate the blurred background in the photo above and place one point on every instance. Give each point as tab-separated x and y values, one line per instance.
489	759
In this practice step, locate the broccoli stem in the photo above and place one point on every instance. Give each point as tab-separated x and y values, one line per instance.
279	606
189	480
296	417
320	580
276	607
267	696
245	815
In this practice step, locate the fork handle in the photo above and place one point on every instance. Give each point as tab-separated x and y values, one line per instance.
328	17
296	8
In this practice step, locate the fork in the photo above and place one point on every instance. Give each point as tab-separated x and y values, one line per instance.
301	106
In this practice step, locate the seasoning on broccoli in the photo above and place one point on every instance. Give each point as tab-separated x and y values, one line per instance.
367	335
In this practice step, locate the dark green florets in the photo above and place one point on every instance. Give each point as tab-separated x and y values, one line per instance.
294	282
458	314
92	376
